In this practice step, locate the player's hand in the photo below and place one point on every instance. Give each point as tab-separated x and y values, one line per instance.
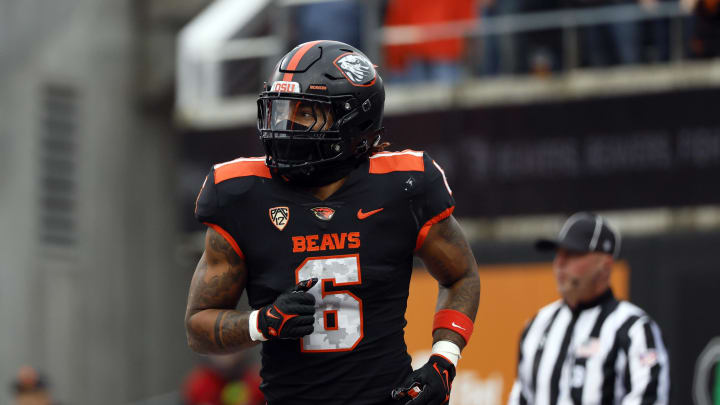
291	316
428	385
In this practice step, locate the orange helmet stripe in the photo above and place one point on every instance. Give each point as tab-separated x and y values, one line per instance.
295	61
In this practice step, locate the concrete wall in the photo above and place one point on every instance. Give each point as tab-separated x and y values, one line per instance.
103	316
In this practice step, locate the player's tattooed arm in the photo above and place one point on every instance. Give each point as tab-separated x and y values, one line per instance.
450	261
211	321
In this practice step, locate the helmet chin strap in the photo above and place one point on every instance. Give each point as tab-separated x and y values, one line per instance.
324	174
314	176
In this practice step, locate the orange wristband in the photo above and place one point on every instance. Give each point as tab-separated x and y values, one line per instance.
454	320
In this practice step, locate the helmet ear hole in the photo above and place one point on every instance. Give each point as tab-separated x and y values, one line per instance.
366	105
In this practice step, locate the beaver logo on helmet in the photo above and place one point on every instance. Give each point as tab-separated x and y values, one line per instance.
356	68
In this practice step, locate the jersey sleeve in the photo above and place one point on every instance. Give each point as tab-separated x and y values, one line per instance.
647	365
517	397
519	393
211	210
436	201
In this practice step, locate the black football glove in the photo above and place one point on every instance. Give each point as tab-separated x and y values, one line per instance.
428	385
291	316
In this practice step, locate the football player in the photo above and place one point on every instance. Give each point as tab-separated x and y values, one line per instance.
321	233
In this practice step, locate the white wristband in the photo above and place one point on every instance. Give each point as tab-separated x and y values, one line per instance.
255	334
447	349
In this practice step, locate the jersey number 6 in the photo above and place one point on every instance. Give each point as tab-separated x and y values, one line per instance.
338	313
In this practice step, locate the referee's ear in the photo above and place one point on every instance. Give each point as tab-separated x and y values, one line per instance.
609	260
607	264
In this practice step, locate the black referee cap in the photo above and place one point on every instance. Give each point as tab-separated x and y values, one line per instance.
584	232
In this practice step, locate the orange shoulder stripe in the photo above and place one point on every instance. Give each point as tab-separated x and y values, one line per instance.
227	237
405	161
426	228
242	167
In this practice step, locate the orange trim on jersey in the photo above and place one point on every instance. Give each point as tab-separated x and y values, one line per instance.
426	228
296	59
241	168
406	161
228	238
200	193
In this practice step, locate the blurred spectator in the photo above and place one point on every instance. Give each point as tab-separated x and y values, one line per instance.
336	20
609	44
230	379
436	60
494	60
541	51
705	41
30	388
655	38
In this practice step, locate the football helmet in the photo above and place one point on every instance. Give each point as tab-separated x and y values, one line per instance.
320	113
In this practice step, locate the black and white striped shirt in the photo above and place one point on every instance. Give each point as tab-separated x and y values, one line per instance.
605	352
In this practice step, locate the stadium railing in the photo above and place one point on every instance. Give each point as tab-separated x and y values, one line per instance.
217	44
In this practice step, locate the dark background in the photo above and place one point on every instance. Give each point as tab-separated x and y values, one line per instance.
601	154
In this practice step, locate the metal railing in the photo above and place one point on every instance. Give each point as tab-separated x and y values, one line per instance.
201	56
568	21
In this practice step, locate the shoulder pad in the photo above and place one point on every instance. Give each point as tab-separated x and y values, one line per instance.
241	167
405	161
226	184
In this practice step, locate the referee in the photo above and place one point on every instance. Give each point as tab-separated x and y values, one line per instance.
588	347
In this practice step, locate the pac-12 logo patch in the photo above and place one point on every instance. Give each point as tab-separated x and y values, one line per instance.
323	213
356	68
279	216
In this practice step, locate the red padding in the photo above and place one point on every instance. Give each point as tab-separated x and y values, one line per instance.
454	320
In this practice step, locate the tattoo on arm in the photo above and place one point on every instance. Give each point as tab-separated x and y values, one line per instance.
231	332
450	261
213	325
218	331
221	246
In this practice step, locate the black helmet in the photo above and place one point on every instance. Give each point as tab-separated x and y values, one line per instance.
320	113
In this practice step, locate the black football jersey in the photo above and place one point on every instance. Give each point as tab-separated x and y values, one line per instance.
359	243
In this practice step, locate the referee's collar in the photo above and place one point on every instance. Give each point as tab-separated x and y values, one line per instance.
601	299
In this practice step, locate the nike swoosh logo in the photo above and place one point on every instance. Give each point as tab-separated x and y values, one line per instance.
270	315
457	326
363	215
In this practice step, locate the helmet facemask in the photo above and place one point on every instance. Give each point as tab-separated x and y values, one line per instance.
300	132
